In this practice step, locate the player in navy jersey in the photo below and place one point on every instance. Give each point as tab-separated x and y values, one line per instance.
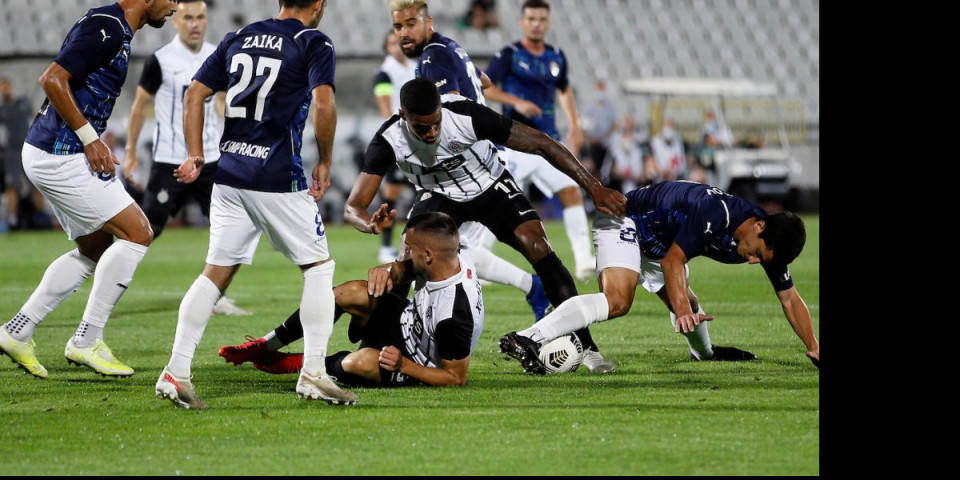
66	160
666	225
271	70
166	75
534	79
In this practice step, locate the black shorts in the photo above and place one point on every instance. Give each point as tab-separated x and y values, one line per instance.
383	330
396	176
165	196
501	208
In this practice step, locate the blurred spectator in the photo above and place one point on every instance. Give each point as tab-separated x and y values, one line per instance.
623	168
713	134
15	117
482	14
668	161
599	123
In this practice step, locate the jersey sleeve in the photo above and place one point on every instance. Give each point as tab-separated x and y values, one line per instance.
152	76
487	124
439	67
321	61
379	157
382	85
708	219
213	72
563	81
500	65
779	276
94	42
454	338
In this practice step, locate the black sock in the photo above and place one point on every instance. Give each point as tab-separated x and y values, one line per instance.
335	369
386	236
291	330
559	286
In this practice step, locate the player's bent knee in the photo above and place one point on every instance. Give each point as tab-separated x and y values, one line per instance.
363	363
619	303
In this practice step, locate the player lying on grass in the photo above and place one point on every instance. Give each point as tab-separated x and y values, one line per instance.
426	341
665	226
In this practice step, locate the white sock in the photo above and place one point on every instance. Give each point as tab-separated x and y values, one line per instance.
316	314
87	335
113	275
62	279
578	231
487	239
572	315
195	310
698	340
497	270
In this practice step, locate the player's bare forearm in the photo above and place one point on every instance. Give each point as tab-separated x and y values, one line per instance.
675	280
325	121
193	103
798	315
383	104
355	212
528	140
135	123
55	82
454	373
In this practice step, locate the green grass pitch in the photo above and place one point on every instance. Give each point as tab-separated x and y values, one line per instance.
659	413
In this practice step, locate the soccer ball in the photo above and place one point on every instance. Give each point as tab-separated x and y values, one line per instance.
563	354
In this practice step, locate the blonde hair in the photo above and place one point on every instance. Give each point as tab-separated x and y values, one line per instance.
396	5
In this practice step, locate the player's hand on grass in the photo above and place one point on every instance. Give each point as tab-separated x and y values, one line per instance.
391	359
189	170
814	356
378	281
382	219
528	109
609	201
100	158
321	181
688	322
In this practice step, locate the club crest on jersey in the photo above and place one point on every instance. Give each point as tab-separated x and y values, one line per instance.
554	69
456	147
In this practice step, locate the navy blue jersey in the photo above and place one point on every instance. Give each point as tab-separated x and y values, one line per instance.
96	52
700	219
269	70
535	78
445	63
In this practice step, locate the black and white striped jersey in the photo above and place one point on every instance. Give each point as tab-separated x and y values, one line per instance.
445	319
461	165
166	75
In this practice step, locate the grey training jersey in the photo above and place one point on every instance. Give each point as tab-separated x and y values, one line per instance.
461	165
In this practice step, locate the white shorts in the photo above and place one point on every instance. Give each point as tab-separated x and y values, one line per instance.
615	240
526	167
82	199
291	222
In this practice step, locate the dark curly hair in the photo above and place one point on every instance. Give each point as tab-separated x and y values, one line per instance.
785	234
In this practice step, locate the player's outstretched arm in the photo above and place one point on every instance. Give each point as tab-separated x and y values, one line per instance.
451	373
56	84
526	139
361	196
799	317
675	281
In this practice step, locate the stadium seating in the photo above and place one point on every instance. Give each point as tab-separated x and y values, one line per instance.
774	41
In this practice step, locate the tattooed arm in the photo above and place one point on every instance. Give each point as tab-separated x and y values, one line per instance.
525	139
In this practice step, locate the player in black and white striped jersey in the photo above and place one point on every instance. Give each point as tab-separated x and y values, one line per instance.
424	341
